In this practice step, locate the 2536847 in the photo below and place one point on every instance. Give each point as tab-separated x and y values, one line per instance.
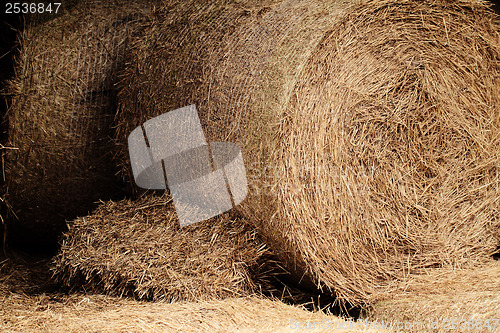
31	8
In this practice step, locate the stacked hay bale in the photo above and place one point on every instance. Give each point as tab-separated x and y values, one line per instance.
137	248
60	118
370	132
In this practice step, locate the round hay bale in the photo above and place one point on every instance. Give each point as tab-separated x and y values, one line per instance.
370	131
137	248
60	117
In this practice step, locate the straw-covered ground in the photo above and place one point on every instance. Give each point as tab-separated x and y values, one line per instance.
94	313
26	305
461	299
29	302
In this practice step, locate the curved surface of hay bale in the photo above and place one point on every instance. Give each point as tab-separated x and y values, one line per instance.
60	118
405	174
370	132
137	248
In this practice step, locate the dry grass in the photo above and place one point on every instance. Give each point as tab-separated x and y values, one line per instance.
137	248
93	313
439	295
26	305
370	132
467	295
61	113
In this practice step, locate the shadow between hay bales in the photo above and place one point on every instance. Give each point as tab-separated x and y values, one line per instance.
9	25
25	273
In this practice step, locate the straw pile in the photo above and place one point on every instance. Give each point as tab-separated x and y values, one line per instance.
60	117
92	313
137	248
471	297
27	304
370	132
